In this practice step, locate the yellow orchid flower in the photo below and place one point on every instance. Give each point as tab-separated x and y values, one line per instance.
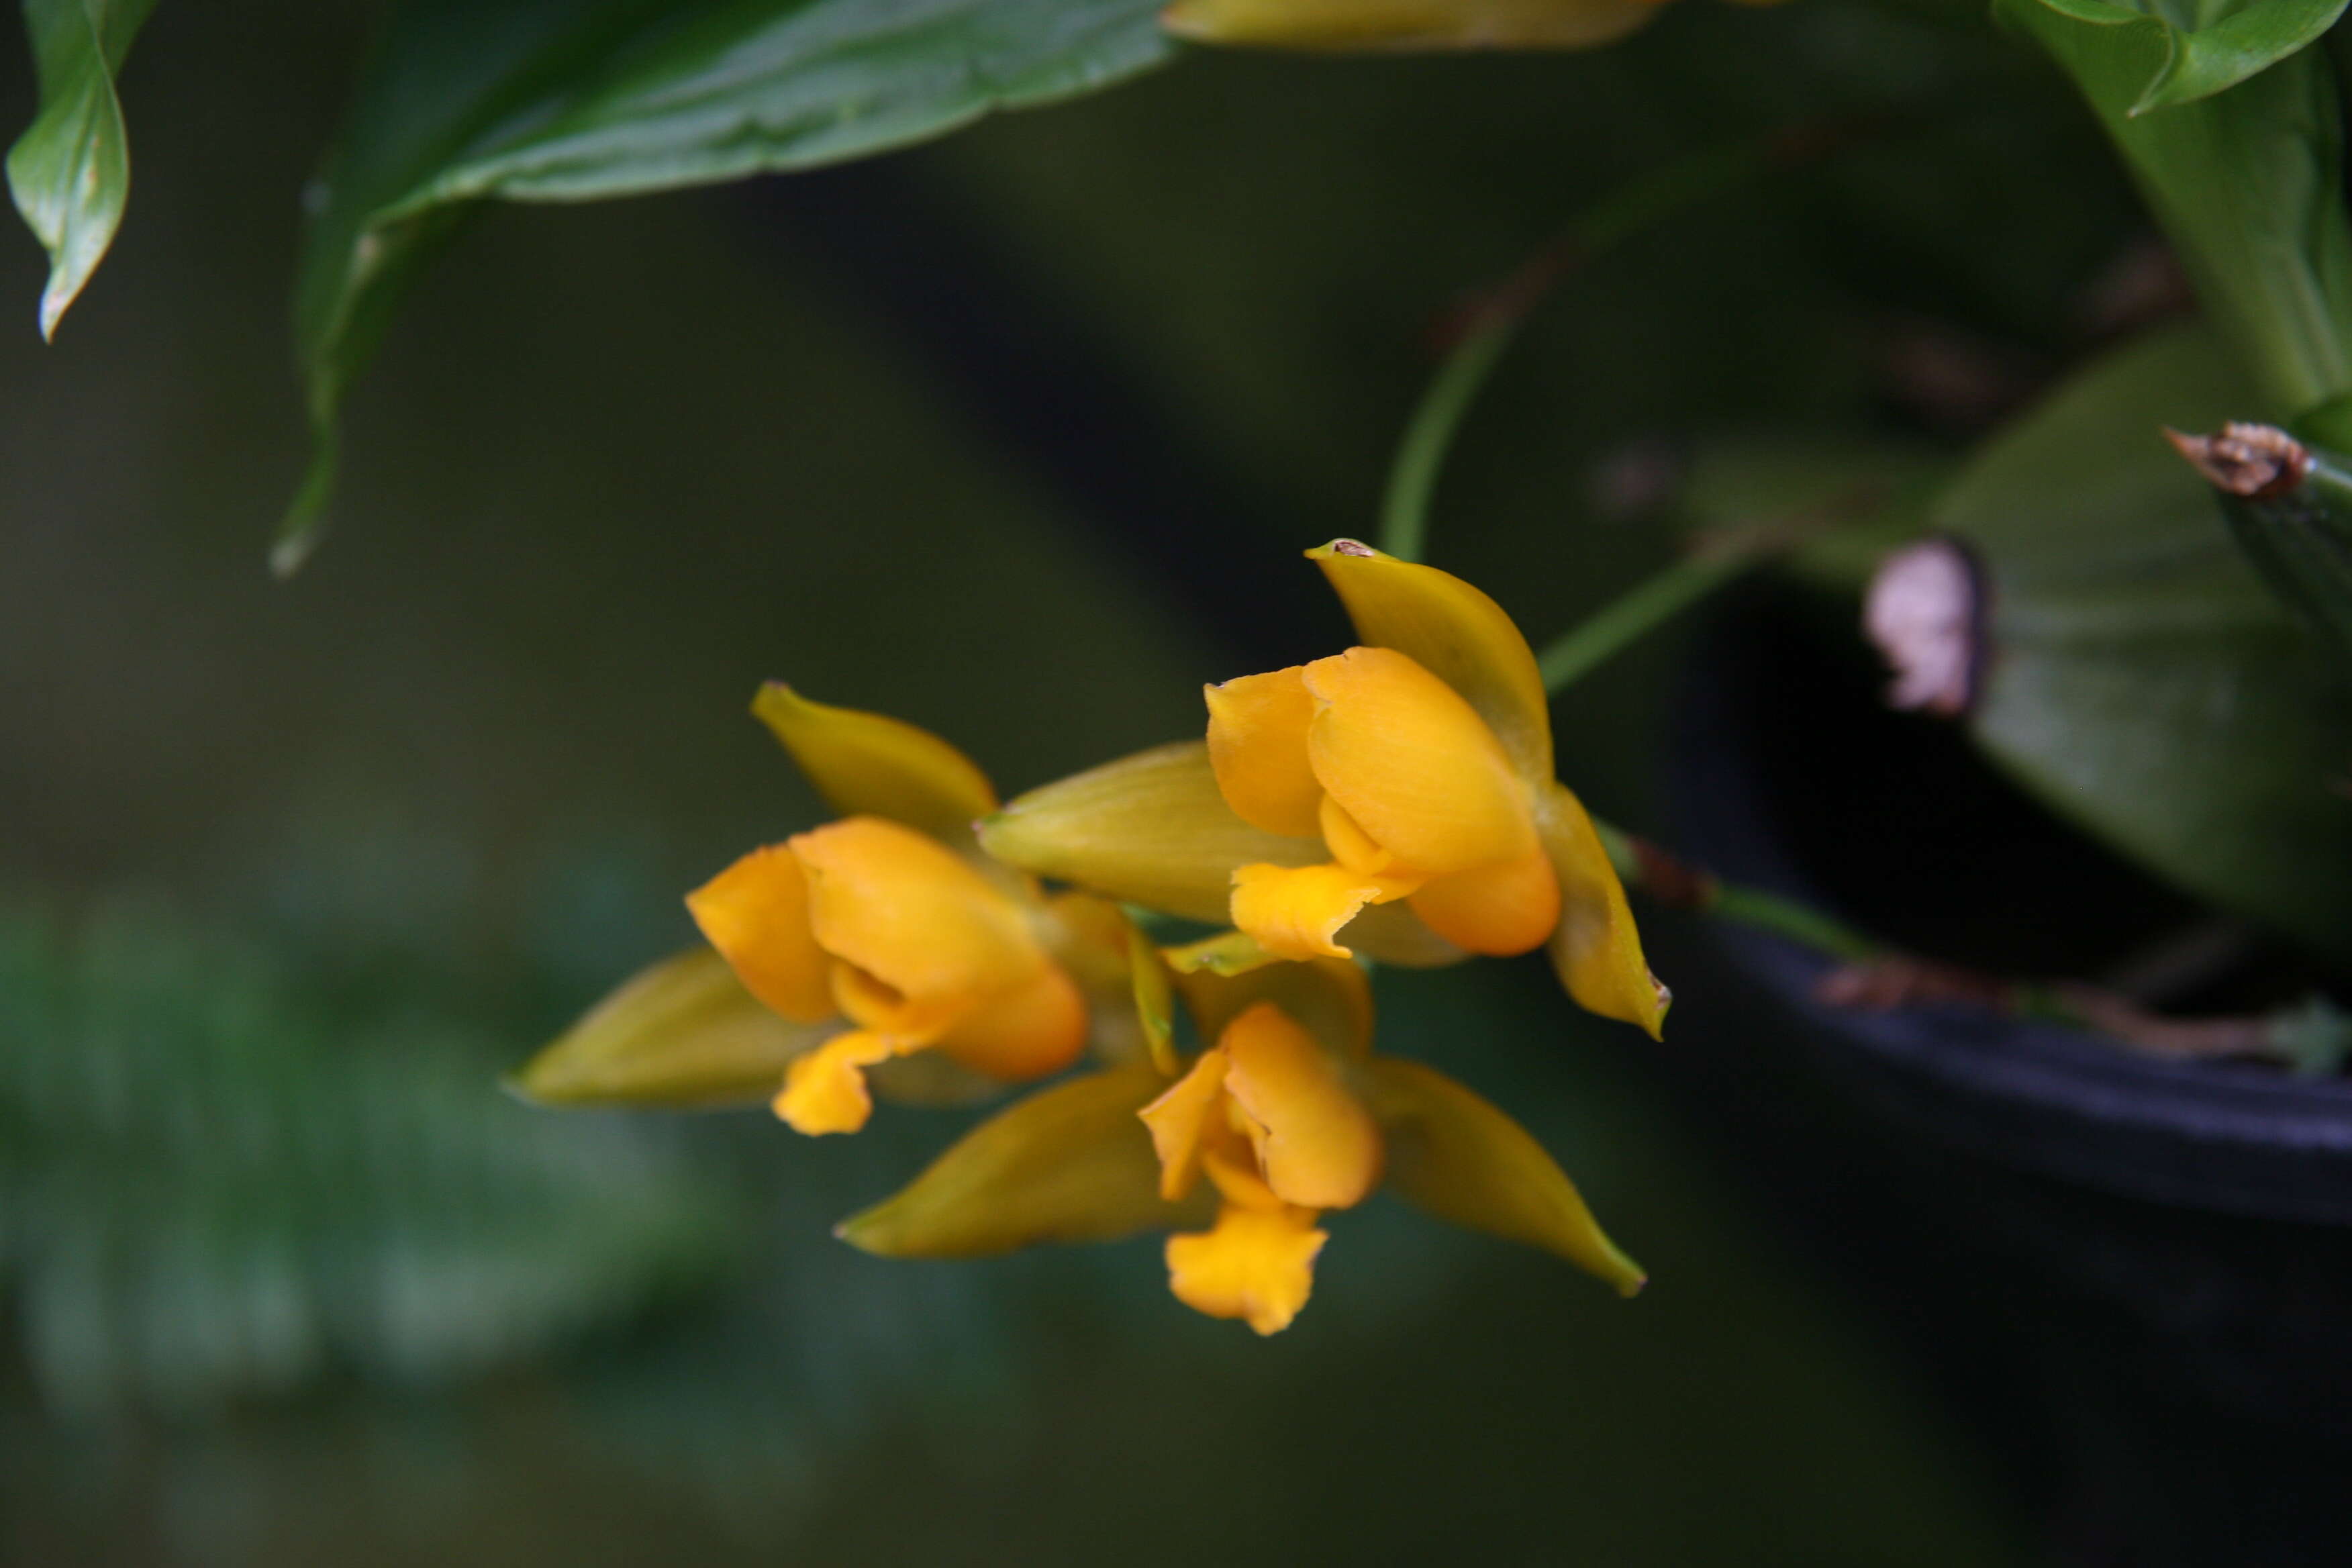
844	950
1288	1115
1400	794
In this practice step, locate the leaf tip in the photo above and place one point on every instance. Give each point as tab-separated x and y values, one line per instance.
868	1230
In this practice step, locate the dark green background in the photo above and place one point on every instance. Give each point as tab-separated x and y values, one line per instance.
348	847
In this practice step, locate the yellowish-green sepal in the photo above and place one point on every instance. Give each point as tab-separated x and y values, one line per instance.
1403	25
1227	953
682	1033
1150	830
1070	1164
1155	1001
931	1079
1595	948
1452	1153
1454	632
868	765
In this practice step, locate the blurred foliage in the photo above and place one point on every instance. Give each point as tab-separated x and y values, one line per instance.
70	171
2130	642
2248	186
2162	60
575	99
210	1190
618	463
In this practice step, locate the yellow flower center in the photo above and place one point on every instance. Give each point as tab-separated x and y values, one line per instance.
1408	788
1266	1115
873	922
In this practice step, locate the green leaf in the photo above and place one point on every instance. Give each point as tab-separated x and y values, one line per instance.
70	172
1455	1155
1069	1163
2247	183
1759	479
212	1189
2138	676
2171	63
2302	544
580	99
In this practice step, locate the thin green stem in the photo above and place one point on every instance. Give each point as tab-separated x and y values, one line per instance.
1797	922
1651	869
1404	510
1640	202
1577	651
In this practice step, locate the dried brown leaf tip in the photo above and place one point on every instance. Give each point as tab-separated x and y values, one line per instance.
1925	612
2259	462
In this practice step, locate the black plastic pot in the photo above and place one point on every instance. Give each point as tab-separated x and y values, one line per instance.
2134	1274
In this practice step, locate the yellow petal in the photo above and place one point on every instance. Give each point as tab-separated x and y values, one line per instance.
1231	1159
1407	23
1178	1120
1350	845
756	913
1257	1264
1498	910
684	1032
1317	1145
1452	631
1330	998
824	1091
1295	911
1150	829
1257	748
1413	765
1068	1163
1595	950
868	765
1455	1155
1035	1028
931	937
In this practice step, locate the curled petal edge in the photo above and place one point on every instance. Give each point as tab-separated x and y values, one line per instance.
1595	950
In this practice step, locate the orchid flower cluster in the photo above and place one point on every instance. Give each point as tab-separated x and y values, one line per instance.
1393	802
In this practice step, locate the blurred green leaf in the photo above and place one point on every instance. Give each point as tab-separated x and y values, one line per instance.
70	171
208	1191
2302	544
1743	482
2222	43
2138	675
578	99
2247	183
